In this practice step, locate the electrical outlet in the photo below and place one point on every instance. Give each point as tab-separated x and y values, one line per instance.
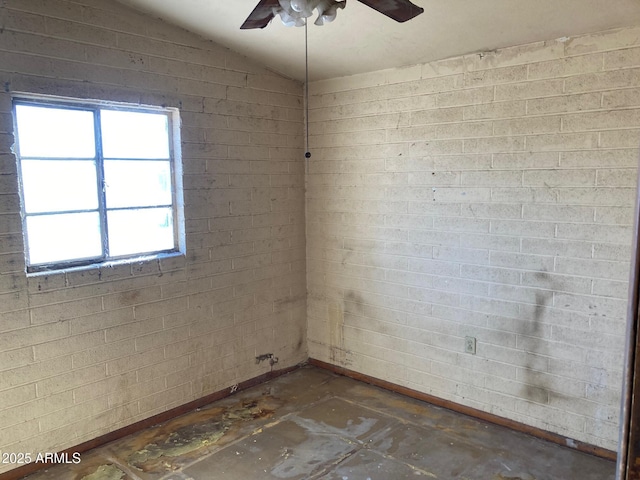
470	345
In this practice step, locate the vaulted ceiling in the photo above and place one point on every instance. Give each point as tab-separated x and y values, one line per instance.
363	40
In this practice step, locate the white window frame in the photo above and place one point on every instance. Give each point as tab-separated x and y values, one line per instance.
175	160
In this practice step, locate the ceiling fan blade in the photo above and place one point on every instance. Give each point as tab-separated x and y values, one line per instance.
261	15
399	10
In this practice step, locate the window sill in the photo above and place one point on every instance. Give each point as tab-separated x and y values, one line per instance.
106	265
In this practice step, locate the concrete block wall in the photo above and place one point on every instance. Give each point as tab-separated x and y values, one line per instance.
487	196
89	351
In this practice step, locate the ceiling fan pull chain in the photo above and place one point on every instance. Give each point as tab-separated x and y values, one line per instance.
307	154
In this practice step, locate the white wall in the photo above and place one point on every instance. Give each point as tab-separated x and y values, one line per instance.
86	352
487	196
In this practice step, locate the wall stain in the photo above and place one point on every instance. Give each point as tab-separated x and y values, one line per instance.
336	332
339	352
538	389
130	297
354	297
533	389
289	300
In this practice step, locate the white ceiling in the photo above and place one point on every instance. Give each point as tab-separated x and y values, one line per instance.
363	40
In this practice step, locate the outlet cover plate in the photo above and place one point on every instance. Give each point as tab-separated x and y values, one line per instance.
470	345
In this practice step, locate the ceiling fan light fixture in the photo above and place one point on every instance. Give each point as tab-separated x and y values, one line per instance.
290	20
328	11
294	12
303	7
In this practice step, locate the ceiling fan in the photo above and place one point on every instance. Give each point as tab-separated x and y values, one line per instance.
295	12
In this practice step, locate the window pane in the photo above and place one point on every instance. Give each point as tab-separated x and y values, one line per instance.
54	238
134	134
131	183
140	231
55	132
58	185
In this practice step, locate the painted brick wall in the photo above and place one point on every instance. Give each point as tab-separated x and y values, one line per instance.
487	196
87	352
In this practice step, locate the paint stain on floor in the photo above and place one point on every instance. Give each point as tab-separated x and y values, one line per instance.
173	443
106	472
508	477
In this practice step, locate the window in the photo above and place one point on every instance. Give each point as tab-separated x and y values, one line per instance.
98	182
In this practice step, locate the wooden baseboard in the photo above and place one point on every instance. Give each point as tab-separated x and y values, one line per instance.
30	468
472	412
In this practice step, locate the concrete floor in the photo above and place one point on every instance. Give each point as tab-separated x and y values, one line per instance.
312	424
